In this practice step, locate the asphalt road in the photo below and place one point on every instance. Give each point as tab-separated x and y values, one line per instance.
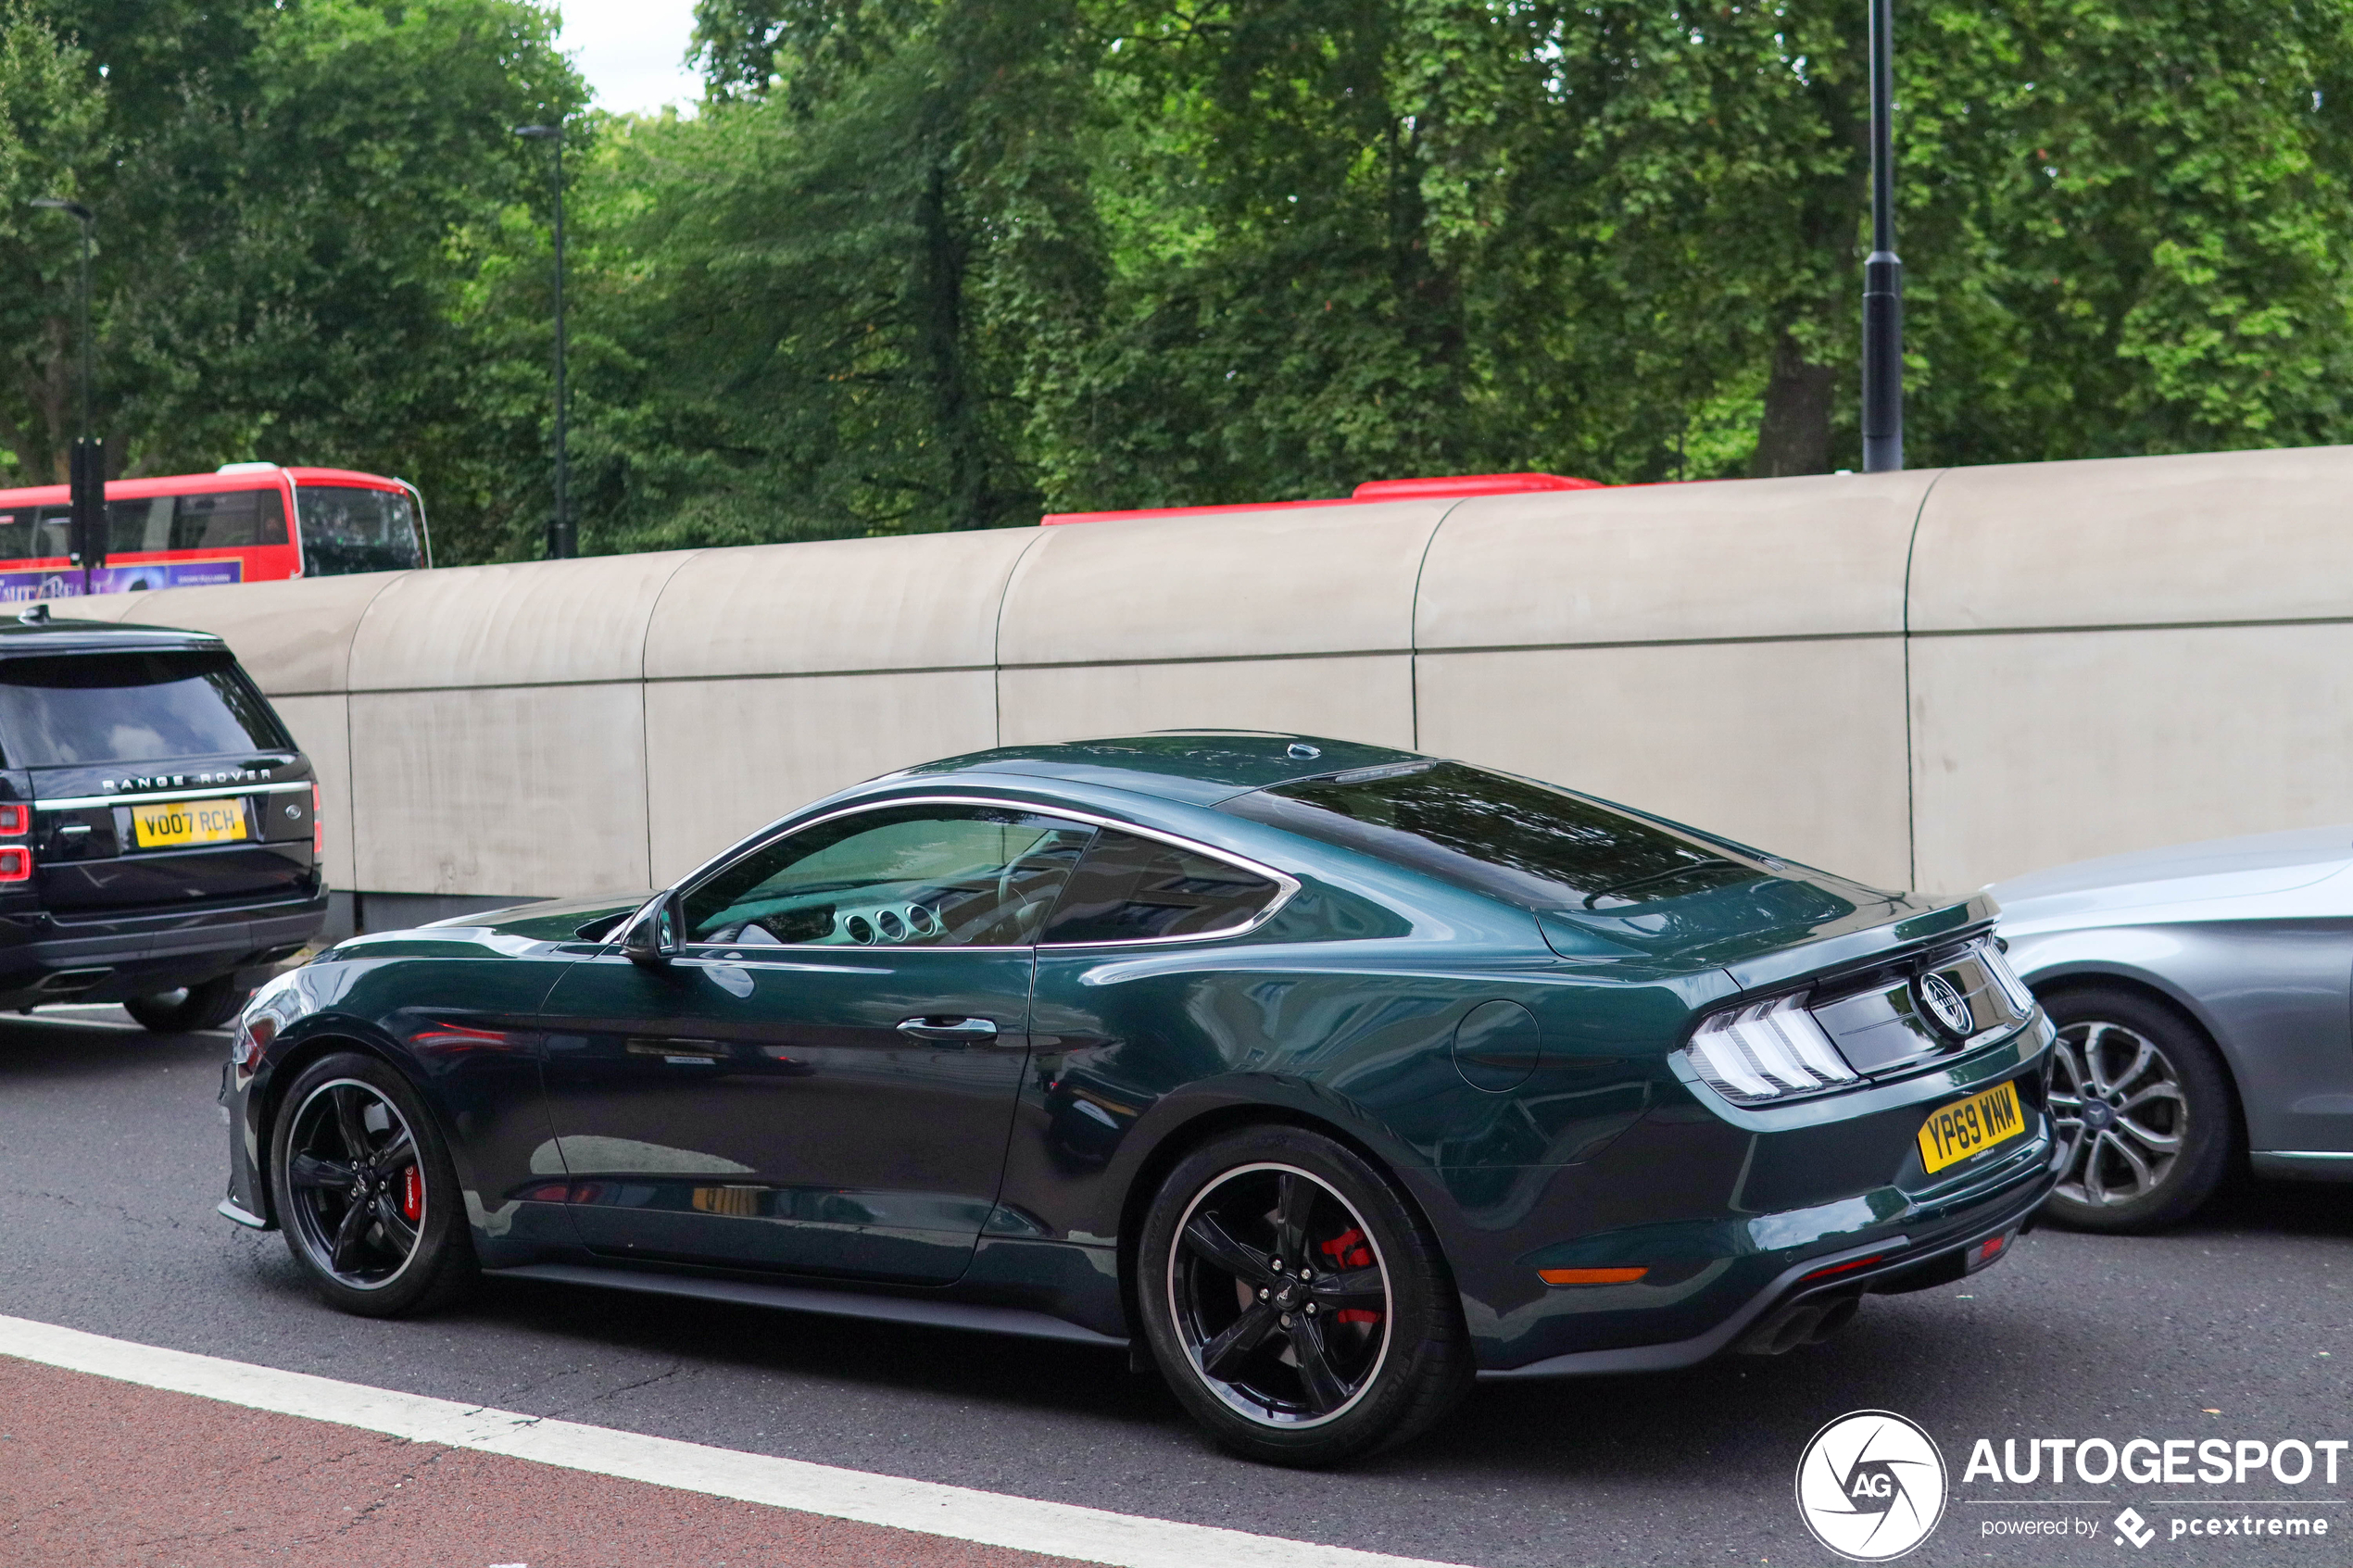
111	1158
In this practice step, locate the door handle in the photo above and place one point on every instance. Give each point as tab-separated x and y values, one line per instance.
953	1031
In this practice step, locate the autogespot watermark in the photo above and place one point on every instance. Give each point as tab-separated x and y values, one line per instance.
2078	1463
1872	1485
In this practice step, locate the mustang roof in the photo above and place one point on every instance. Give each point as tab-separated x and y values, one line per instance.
1197	766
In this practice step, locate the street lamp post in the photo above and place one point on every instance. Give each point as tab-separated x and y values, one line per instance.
562	544
1882	270
88	528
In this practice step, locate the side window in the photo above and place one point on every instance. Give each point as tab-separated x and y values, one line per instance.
229	518
52	531
1129	889
139	525
908	876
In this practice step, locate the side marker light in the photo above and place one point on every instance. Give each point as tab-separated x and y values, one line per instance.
1590	1277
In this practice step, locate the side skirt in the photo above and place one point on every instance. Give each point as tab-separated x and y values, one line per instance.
2302	1165
984	1319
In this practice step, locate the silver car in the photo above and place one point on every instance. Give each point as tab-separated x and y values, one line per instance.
2204	996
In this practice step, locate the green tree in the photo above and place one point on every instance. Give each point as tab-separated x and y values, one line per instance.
53	143
822	307
2128	227
292	199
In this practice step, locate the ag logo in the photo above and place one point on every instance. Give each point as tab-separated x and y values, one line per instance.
1870	1485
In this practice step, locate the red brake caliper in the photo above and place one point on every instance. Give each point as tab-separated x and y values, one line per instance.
1347	1250
412	1196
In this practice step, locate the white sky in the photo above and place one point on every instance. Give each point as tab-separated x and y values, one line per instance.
631	51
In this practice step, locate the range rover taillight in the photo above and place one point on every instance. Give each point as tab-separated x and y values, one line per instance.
16	860
318	827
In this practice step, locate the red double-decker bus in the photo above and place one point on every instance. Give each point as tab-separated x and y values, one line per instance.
249	523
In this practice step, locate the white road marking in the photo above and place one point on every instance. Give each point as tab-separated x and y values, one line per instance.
1021	1524
50	1013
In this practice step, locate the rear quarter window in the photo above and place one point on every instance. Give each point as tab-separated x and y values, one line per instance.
1134	889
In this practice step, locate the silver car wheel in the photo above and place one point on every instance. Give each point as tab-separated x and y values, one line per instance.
2116	1099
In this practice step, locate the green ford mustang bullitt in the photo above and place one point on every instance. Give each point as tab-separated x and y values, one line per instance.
1324	1077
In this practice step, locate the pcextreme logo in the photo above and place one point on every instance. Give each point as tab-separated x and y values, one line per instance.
1870	1485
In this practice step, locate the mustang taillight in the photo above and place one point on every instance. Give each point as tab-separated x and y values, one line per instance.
2021	999
1767	1051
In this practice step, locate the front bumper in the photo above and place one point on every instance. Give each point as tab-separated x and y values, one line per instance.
247	1201
110	959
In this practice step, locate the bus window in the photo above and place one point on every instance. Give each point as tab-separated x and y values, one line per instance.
138	525
228	519
345	528
22	537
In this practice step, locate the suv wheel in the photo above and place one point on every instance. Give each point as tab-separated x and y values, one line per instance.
183	1011
365	1192
2145	1104
1296	1305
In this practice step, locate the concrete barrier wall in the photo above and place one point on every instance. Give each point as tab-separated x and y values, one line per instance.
1934	679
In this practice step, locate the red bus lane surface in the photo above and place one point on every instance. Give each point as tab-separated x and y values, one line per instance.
117	1453
94	1471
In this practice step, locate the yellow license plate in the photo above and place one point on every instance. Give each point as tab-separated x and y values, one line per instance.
189	821
1971	1126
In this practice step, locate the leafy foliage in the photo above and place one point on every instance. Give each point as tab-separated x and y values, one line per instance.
291	200
923	264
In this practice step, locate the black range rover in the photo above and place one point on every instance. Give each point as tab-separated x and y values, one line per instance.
158	829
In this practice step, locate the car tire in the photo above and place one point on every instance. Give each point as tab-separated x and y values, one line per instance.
2145	1104
207	1006
1382	1354
407	1249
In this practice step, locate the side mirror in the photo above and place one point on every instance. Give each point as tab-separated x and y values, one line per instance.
652	936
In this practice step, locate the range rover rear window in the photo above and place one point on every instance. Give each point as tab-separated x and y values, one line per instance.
64	708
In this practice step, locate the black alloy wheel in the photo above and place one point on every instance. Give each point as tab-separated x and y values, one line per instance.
1296	1304
183	1011
2143	1104
365	1190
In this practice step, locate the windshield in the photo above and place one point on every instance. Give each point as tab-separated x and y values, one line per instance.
345	528
1511	838
130	707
